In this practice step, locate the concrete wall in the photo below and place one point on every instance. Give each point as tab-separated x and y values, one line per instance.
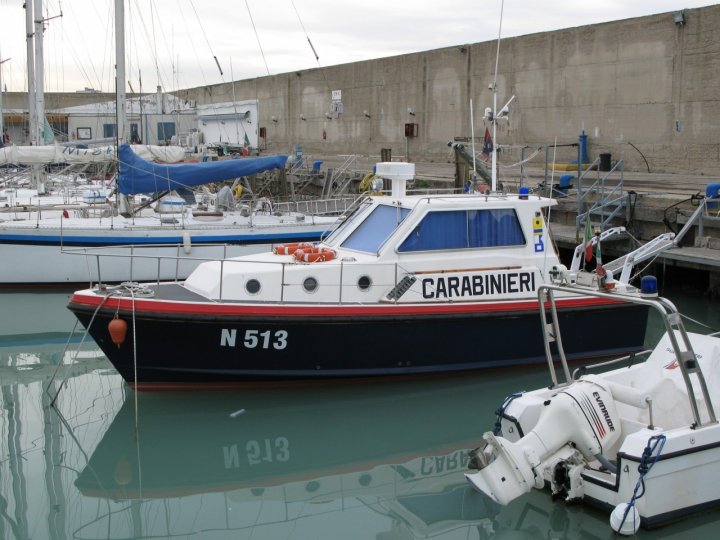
644	89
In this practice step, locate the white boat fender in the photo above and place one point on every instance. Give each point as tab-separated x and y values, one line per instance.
625	519
187	243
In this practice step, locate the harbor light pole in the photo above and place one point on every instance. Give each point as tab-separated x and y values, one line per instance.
2	117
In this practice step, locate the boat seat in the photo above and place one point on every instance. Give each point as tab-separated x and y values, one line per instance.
671	408
710	366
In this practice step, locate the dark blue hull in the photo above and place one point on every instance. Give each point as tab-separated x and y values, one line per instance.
186	347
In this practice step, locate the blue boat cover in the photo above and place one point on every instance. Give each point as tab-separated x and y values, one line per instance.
137	175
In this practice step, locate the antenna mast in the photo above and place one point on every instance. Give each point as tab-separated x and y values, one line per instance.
493	187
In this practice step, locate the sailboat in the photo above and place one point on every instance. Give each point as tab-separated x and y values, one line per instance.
61	246
39	251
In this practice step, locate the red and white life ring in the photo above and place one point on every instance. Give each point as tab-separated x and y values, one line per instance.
316	254
289	249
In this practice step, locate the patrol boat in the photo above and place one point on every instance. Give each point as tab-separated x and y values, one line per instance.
638	437
405	285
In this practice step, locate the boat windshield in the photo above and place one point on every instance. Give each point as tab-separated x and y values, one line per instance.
376	228
348	223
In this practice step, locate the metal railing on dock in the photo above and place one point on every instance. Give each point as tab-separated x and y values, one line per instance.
606	191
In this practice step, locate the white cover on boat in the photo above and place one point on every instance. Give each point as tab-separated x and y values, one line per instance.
38	155
165	154
32	155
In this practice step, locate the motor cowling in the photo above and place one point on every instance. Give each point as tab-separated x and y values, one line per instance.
577	424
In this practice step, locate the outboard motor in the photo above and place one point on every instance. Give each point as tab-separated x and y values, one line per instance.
574	428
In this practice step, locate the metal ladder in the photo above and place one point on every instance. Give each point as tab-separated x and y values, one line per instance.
610	199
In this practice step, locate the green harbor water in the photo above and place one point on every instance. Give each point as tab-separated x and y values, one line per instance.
84	457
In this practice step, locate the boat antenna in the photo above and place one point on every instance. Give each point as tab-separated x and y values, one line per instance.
472	138
493	187
548	238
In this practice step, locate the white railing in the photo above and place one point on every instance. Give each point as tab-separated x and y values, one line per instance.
138	254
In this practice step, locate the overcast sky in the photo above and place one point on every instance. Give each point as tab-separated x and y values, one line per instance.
173	42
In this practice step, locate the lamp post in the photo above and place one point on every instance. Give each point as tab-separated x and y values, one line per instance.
2	116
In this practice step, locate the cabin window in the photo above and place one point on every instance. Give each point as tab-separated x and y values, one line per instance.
347	223
377	227
465	229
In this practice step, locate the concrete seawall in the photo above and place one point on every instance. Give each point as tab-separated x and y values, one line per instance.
645	90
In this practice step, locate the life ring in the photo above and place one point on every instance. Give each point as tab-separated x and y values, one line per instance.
311	256
314	249
289	249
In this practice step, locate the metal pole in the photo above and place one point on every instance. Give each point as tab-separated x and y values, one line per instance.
121	101
493	187
2	124
39	134
29	31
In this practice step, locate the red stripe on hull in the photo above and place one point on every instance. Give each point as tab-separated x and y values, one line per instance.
291	311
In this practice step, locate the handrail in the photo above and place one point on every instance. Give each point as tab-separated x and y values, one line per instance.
612	198
135	254
671	318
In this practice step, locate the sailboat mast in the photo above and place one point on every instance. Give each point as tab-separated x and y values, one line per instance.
39	134
29	31
120	97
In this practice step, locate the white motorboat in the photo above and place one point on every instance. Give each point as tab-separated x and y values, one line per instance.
641	440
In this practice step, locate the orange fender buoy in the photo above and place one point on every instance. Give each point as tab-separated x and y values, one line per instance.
118	329
123	471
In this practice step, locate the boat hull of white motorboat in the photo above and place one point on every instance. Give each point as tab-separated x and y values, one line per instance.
683	480
183	339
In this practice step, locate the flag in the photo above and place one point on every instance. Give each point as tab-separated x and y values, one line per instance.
487	145
599	270
587	243
246	141
602	274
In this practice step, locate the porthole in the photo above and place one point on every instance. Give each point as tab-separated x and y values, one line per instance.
310	284
364	283
252	286
365	480
312	486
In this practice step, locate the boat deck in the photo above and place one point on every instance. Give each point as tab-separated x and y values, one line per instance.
175	292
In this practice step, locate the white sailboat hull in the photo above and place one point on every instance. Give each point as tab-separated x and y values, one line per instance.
67	251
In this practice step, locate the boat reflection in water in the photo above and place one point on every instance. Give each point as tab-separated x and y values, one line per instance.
384	462
313	462
284	460
34	329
